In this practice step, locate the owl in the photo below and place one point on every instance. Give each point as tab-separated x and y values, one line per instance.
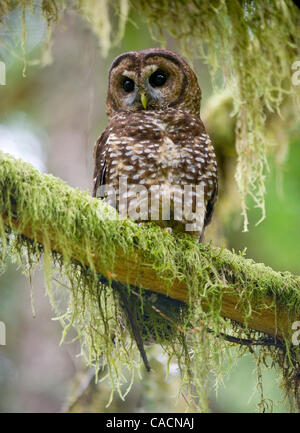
154	161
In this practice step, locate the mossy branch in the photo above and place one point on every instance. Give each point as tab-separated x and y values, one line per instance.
71	222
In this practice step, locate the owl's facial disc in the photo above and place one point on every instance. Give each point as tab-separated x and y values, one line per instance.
151	79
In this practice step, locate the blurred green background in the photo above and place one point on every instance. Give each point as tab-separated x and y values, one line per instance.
52	117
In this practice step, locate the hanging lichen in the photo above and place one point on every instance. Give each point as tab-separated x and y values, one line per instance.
80	240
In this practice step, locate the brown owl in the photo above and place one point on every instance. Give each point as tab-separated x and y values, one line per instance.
154	161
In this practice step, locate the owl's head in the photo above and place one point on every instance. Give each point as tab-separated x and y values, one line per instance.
152	79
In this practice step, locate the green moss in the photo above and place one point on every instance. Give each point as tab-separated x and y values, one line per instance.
75	225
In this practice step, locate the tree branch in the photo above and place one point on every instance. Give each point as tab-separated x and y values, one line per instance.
69	221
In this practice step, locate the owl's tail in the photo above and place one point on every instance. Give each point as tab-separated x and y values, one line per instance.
130	306
150	317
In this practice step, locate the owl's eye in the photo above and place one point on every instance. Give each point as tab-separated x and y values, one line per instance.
128	85
158	78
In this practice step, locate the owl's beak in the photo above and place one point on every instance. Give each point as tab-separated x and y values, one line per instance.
144	100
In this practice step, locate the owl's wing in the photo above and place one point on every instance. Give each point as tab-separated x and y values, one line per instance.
100	162
208	169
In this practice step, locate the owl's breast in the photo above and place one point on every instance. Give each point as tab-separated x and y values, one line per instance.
155	147
153	160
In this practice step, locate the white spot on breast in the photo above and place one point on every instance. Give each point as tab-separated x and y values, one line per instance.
189	176
160	125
